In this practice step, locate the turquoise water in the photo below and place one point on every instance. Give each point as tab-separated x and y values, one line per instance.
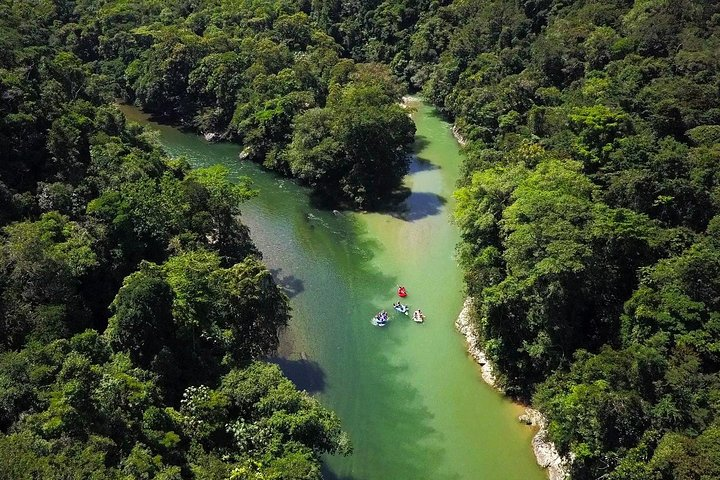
408	394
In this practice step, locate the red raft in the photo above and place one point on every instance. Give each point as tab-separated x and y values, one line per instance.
402	292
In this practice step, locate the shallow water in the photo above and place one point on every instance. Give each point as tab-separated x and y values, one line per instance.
408	394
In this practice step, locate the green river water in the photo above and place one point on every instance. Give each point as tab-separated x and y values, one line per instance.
409	395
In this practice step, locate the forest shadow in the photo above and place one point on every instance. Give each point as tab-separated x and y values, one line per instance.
398	421
410	206
420	164
167	119
388	203
393	200
320	200
436	113
305	374
420	205
290	284
420	142
409	441
328	474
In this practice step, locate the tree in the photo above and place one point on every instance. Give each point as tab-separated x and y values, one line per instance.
142	322
43	264
355	149
89	200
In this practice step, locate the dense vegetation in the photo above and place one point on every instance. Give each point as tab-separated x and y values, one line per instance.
262	74
588	209
134	308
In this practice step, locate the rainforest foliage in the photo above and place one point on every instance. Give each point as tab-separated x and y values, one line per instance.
588	212
134	309
260	73
588	208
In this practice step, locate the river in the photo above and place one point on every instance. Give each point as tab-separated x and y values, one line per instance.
408	394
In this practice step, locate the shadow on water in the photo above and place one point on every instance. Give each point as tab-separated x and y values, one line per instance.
392	201
290	284
420	164
305	374
328	474
436	113
404	420
359	372
410	206
389	201
423	204
395	427
421	141
407	205
418	205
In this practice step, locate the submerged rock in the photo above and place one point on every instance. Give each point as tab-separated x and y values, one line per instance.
246	152
525	418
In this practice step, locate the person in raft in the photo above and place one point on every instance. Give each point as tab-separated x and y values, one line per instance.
401	291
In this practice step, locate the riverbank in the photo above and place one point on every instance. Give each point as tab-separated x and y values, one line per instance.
406	102
458	136
407	394
545	451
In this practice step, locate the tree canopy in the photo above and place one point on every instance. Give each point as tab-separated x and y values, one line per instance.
251	72
135	311
588	210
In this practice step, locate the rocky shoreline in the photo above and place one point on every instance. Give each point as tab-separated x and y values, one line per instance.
408	99
545	451
458	136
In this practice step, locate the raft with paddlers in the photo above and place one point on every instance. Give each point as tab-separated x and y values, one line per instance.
381	319
399	307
